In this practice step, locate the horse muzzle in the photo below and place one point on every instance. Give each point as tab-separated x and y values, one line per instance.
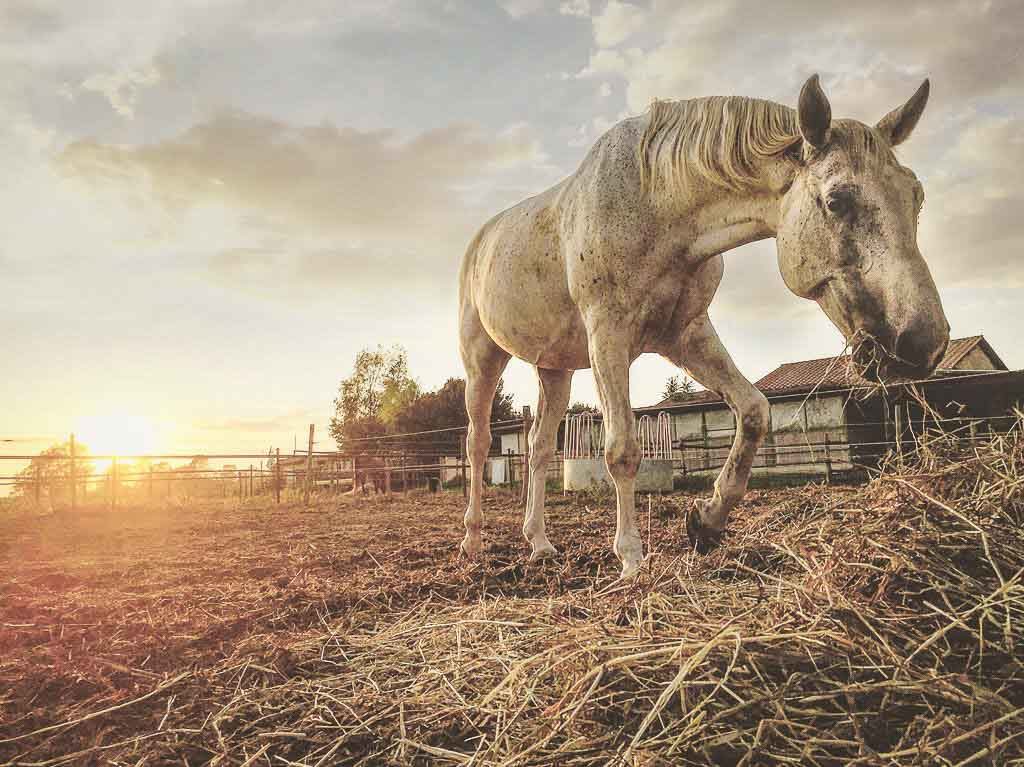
913	356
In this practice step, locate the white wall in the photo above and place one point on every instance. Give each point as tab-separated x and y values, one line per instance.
797	428
511	442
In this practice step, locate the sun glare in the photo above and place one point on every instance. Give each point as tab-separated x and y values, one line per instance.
120	434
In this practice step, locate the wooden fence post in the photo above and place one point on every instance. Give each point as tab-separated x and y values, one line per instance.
74	479
38	483
277	477
706	439
309	466
252	484
527	423
828	461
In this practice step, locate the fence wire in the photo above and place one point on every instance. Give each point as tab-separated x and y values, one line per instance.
402	461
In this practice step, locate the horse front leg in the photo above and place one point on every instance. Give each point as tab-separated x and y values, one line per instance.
610	361
699	351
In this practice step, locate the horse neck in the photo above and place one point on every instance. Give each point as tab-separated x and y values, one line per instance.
723	218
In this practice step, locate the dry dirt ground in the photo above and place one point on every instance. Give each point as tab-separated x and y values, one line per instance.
100	606
831	629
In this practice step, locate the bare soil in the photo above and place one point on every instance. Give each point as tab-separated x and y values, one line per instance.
100	606
838	625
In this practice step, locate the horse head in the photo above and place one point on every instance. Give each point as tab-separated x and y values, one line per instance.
847	237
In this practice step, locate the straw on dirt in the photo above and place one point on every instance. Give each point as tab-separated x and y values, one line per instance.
838	626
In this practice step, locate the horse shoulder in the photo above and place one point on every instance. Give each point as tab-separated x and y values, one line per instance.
610	227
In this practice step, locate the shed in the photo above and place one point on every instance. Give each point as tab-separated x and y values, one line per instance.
824	417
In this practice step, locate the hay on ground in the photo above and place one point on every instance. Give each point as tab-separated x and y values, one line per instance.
837	626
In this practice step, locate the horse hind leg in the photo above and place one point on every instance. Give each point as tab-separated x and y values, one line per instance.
554	398
484	361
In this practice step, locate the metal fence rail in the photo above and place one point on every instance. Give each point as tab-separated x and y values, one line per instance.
401	462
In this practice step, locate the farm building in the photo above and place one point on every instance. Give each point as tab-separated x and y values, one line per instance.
506	438
824	418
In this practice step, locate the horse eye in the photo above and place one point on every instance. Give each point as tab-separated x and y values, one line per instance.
839	203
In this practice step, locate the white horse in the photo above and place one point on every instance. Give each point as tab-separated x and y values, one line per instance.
624	256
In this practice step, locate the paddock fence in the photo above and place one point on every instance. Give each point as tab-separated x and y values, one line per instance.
435	459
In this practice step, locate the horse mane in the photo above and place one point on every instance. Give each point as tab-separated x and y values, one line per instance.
718	138
722	140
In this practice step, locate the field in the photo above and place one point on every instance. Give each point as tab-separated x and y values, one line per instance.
869	625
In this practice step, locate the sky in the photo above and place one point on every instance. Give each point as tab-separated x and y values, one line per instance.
208	208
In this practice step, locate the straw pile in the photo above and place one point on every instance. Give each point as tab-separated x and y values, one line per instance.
877	625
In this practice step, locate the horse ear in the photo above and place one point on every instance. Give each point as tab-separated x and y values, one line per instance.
899	123
814	113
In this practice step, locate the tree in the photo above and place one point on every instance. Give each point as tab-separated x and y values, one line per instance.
370	399
678	388
446	408
501	408
381	398
51	469
400	389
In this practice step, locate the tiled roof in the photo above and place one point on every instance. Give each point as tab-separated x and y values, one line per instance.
829	372
696	398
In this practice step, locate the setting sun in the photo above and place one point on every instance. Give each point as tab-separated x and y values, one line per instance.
117	434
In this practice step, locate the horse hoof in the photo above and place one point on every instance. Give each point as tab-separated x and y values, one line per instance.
470	547
702	538
547	551
630	570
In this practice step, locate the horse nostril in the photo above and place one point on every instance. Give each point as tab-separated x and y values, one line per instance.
920	349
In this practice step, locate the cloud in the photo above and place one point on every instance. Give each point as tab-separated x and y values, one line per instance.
618	22
324	179
972	230
519	8
22	18
581	137
122	87
579	8
869	57
293	214
610	62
